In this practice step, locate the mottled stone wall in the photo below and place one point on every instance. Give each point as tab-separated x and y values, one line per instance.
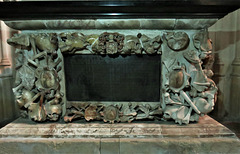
225	35
8	107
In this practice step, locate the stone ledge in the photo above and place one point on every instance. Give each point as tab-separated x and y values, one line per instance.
206	136
122	145
205	128
161	24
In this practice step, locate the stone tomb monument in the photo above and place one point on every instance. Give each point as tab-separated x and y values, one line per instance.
43	81
145	73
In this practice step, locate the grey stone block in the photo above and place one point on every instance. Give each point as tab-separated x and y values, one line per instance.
206	136
110	146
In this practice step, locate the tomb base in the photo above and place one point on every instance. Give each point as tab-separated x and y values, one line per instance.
206	136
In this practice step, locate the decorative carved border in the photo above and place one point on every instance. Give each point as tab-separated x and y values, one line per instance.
113	111
187	90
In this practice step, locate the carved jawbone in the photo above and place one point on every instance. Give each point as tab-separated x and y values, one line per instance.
187	90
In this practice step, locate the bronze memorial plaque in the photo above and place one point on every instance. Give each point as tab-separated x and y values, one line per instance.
119	78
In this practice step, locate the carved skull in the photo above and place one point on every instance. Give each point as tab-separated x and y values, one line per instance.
132	45
36	113
91	113
177	41
202	43
203	105
21	41
53	111
111	114
26	97
71	42
46	42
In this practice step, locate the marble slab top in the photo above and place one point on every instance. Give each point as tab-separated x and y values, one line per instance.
24	128
81	24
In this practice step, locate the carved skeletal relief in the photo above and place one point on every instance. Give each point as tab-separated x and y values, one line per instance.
188	92
109	43
177	41
186	88
117	112
38	90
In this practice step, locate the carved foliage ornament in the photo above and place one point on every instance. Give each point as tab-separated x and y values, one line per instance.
187	90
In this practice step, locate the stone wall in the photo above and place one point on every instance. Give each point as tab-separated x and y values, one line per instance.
225	35
8	109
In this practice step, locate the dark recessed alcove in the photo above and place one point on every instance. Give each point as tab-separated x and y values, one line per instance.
107	78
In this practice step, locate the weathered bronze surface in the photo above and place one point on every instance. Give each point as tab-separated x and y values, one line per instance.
106	78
